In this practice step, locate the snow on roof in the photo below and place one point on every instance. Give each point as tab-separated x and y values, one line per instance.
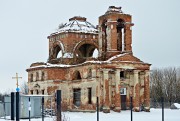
117	56
48	65
177	105
77	24
68	55
112	9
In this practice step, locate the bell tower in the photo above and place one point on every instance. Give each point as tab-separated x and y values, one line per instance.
115	34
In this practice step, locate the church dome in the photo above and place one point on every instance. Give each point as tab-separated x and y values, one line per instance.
77	24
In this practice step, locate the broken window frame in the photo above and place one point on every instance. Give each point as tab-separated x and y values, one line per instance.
77	97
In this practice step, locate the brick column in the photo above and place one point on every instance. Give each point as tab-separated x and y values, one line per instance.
136	91
128	39
106	108
147	92
117	92
113	35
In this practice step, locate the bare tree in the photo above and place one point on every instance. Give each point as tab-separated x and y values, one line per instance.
156	84
24	88
165	82
170	84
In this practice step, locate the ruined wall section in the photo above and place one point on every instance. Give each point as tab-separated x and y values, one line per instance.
134	80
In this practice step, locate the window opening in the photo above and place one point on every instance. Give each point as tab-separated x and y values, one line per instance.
42	92
95	53
120	35
77	97
122	74
89	95
31	92
57	52
123	39
77	75
104	36
59	55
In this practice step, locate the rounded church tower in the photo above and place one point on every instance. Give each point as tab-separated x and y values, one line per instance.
74	42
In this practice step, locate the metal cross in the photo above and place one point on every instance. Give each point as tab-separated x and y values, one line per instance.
17	79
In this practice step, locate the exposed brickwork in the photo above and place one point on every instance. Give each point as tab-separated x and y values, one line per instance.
72	68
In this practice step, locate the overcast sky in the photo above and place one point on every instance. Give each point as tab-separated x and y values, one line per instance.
25	25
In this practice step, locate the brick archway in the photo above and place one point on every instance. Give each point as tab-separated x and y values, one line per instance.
55	49
85	48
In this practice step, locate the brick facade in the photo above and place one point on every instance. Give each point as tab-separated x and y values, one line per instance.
114	75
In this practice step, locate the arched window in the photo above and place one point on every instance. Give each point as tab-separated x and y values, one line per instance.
76	75
57	52
87	50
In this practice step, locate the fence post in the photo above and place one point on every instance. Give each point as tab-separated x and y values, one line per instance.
131	109
12	105
17	106
58	101
42	108
29	109
162	100
97	108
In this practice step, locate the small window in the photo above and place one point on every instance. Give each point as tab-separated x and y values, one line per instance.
122	74
31	92
89	95
42	92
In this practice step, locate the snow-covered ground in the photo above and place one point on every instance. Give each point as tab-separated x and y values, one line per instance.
154	115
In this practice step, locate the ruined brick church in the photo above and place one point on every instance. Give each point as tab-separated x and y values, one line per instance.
86	62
